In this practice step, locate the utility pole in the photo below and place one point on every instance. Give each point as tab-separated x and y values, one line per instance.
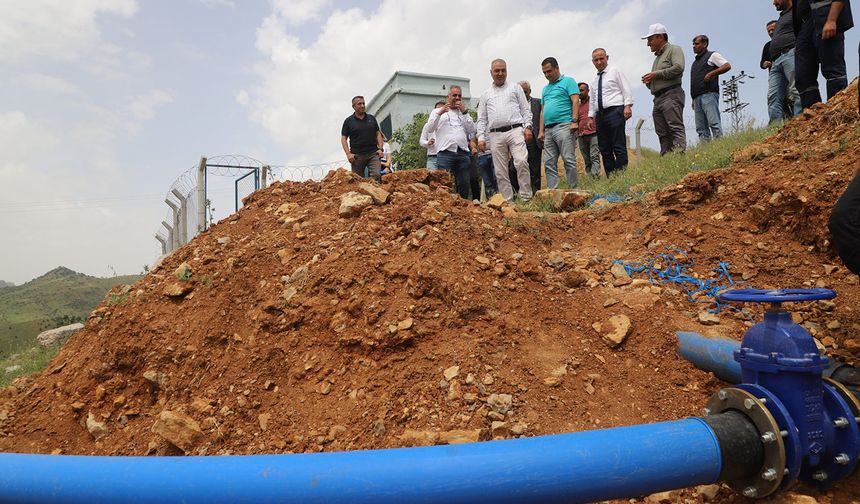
731	98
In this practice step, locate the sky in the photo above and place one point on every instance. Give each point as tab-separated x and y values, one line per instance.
105	103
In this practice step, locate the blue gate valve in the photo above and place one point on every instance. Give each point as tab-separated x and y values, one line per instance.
808	424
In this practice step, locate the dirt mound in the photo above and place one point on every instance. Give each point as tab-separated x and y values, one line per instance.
341	315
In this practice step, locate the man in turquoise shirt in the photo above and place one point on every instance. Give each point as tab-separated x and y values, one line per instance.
559	121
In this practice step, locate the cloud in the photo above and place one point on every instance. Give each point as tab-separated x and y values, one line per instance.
56	29
304	90
143	107
296	12
43	83
212	4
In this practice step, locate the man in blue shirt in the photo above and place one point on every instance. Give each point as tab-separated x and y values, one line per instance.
559	122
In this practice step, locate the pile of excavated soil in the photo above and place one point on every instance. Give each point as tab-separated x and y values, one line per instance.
422	318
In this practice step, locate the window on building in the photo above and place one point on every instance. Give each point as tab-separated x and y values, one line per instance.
385	126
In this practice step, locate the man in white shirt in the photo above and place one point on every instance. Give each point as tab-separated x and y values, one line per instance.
705	88
611	107
505	120
428	141
452	126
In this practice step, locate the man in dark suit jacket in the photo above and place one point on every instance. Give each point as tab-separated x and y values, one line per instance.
534	147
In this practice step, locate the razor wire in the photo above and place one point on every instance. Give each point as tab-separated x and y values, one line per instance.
233	166
677	269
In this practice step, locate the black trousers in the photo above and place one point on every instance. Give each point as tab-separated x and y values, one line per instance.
810	53
611	138
844	225
534	170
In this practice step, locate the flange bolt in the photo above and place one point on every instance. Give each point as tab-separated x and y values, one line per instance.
819	476
769	475
750	492
842	459
768	437
723	395
840	422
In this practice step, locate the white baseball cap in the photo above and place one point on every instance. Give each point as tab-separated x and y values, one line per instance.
655	29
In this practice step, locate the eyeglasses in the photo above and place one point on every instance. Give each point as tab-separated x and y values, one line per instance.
456	95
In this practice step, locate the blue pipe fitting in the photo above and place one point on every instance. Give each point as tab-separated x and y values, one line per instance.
782	368
716	355
579	467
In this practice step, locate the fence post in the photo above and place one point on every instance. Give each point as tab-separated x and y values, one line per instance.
639	140
163	244
183	216
264	183
201	195
175	242
169	235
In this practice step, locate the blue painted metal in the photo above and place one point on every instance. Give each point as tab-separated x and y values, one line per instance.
578	467
716	355
775	295
780	360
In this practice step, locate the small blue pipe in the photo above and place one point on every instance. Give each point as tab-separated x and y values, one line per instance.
578	467
716	355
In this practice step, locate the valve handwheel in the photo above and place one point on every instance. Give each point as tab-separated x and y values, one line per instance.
775	295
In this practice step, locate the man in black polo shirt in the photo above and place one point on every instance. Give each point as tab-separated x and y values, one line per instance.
365	141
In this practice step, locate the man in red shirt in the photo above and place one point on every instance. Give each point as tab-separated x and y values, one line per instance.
588	135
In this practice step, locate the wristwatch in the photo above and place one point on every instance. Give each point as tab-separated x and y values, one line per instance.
575	120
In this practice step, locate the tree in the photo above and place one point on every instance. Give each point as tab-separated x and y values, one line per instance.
410	155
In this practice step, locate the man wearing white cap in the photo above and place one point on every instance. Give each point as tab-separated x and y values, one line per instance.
664	81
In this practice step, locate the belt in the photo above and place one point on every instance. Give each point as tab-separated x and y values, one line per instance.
608	109
666	90
506	128
431	155
818	5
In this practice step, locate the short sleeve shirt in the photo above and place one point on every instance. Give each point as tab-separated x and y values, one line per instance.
361	134
555	99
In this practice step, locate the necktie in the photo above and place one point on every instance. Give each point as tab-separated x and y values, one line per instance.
600	92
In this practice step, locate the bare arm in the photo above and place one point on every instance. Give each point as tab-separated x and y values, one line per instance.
829	30
574	103
349	155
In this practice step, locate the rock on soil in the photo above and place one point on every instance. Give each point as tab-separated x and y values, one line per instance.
292	332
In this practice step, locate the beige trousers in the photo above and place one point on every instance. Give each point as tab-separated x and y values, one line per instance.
504	146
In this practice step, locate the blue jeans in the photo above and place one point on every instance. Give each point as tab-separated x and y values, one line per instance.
457	164
707	109
559	140
590	154
780	85
488	174
432	164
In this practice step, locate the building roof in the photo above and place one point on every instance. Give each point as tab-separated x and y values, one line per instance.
386	93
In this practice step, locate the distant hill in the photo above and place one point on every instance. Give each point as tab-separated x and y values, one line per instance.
4	283
59	297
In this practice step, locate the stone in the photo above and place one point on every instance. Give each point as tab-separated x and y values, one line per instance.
708	492
378	427
488	379
610	302
263	419
482	260
500	403
59	334
451	373
518	428
500	429
616	330
183	272
707	318
379	195
405	324
224	240
179	430
834	325
561	200
335	431
352	203
618	271
460	436
663	497
497	201
13	369
155	377
555	260
793	498
96	429
177	290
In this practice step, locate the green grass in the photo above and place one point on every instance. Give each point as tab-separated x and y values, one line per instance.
655	171
57	298
30	361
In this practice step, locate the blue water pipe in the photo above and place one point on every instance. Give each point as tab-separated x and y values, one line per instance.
716	355
578	467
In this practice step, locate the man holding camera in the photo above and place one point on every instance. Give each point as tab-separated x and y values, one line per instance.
452	126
